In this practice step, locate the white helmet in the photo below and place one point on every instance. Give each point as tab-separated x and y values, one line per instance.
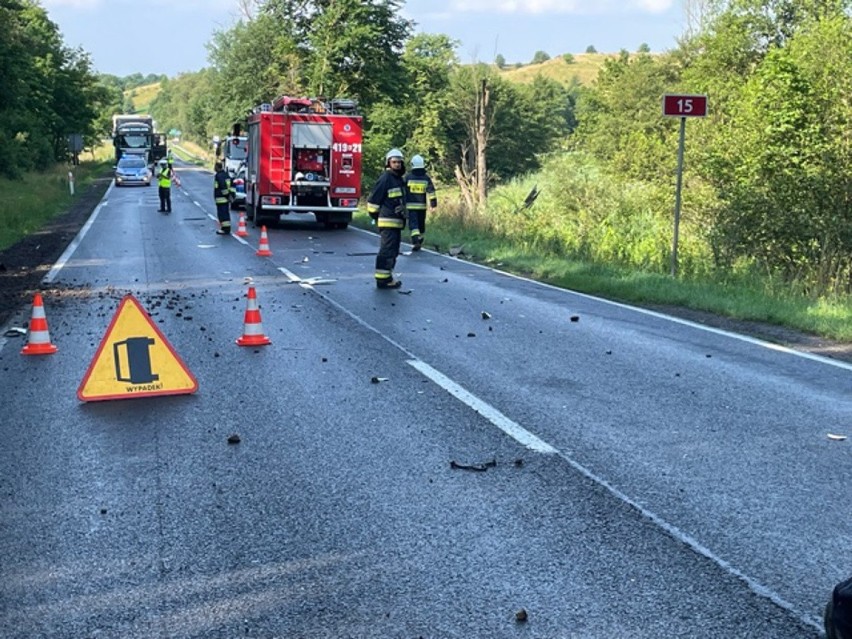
417	162
394	153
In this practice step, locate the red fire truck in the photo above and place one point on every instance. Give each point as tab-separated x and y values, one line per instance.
304	157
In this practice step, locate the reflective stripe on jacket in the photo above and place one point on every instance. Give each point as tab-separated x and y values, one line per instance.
222	189
386	203
420	190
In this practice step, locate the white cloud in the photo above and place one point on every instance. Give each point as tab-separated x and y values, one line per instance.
561	6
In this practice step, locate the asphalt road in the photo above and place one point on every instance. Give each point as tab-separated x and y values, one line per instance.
612	472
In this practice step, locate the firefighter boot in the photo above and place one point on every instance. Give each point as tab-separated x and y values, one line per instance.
391	283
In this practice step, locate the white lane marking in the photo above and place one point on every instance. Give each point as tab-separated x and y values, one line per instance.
525	438
295	279
511	428
756	587
69	251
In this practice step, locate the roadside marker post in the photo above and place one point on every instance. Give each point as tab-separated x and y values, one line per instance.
681	106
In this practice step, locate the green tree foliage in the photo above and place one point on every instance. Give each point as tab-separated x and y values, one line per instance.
785	180
499	61
47	90
244	74
569	58
591	49
349	48
620	116
540	56
524	122
186	103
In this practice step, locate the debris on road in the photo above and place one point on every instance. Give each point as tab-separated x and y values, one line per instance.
837	438
376	380
477	467
521	616
486	315
15	331
575	318
234	439
455	251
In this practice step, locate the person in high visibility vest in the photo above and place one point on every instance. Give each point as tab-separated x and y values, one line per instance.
419	191
223	194
164	181
386	206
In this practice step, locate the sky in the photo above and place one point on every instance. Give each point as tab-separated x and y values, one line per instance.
170	36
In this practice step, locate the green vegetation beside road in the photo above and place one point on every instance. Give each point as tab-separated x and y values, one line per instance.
33	201
611	237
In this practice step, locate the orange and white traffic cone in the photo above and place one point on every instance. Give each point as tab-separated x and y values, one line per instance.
38	338
263	249
241	226
253	329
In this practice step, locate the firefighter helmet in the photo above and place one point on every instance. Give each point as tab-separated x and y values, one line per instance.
394	153
417	162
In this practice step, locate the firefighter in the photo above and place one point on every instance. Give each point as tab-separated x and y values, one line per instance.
386	206
223	195
164	181
170	160
420	190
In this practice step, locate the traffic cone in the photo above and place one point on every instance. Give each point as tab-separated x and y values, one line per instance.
253	329
263	249
241	226
38	337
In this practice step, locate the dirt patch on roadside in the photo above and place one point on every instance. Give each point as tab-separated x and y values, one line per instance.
24	265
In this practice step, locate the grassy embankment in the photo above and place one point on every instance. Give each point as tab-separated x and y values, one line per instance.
612	241
30	203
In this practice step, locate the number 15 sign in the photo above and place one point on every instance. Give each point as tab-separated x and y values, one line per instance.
685	106
681	106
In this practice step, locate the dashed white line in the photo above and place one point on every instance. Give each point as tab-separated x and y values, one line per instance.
511	428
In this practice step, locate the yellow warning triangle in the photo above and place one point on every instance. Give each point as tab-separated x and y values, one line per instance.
134	359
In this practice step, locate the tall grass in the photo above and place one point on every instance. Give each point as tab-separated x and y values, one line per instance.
26	205
593	233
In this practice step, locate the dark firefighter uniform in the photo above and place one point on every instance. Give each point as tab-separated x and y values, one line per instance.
420	192
164	182
223	193
386	205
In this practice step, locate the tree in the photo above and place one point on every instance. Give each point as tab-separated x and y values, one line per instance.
569	58
539	57
644	48
428	61
46	89
783	172
499	61
245	75
619	116
591	49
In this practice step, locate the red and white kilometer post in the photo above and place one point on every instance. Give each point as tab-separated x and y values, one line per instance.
681	106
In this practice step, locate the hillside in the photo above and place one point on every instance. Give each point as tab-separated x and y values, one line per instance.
142	96
583	70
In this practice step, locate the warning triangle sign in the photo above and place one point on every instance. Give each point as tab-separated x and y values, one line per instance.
134	359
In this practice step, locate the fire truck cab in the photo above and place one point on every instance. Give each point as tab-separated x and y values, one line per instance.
304	158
